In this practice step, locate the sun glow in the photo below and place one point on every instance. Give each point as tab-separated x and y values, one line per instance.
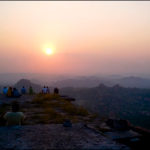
48	51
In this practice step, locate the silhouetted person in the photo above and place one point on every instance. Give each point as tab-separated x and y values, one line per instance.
47	90
56	91
23	90
15	117
31	90
5	90
44	90
16	93
10	92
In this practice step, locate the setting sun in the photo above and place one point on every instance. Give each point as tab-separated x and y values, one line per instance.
49	51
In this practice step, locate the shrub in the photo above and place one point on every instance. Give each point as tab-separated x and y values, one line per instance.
82	111
37	100
69	108
52	104
74	110
55	109
41	98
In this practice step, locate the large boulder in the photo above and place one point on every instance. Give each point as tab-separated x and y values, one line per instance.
120	125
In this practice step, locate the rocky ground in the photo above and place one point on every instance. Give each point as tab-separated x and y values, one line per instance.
54	136
84	133
22	99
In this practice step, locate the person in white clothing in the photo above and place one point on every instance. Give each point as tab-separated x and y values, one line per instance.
44	90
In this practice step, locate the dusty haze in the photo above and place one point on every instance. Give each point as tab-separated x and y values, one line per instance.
86	37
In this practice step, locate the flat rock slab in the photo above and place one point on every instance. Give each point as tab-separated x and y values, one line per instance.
122	134
22	99
54	136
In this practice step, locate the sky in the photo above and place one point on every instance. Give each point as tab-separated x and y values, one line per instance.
86	37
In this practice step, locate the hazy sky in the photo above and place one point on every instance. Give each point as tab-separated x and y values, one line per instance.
86	37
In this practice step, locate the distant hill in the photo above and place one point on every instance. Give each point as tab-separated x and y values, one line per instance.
116	101
130	81
8	79
133	81
27	83
12	78
81	82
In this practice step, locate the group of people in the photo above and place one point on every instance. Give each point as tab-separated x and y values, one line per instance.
13	92
15	117
46	90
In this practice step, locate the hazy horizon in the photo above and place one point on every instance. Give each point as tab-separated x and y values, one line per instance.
86	37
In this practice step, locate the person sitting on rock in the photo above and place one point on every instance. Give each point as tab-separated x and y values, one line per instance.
15	117
31	90
56	91
5	90
10	92
16	93
23	90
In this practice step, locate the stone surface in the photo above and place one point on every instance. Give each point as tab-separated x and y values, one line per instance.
54	136
122	134
120	125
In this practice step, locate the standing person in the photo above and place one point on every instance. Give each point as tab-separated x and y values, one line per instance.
9	92
23	90
31	90
56	91
44	90
47	90
15	117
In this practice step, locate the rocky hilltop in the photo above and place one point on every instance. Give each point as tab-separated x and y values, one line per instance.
44	127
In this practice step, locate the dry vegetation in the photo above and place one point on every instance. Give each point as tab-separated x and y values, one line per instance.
51	108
